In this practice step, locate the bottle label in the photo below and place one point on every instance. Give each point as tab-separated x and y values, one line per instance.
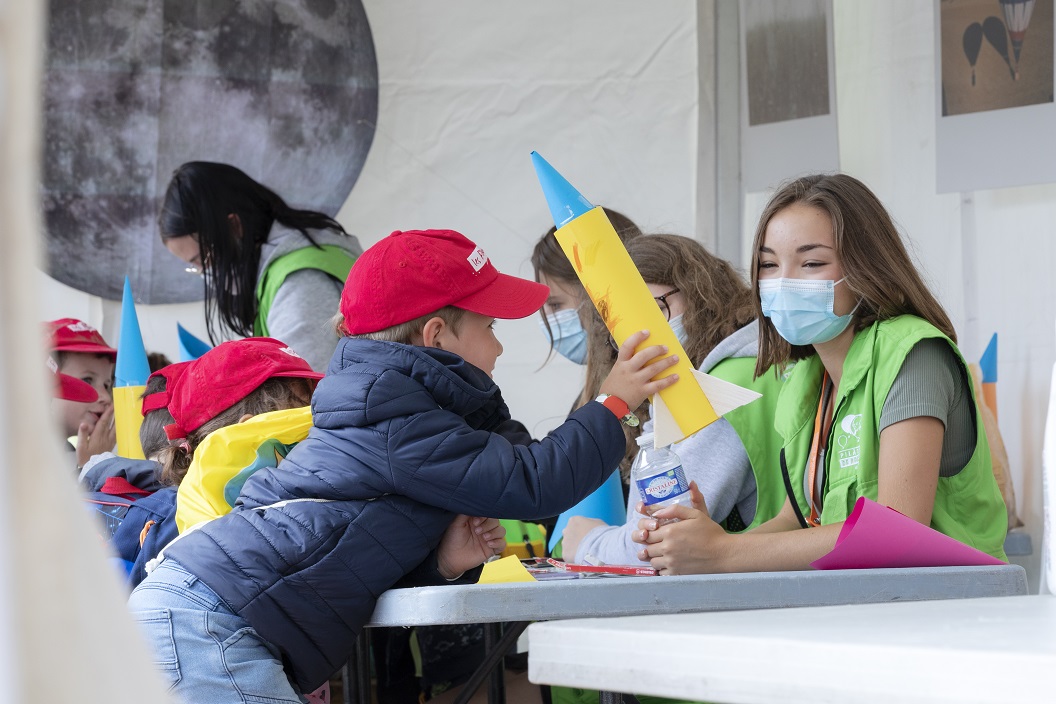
663	486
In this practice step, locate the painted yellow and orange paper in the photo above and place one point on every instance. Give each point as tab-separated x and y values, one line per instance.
626	305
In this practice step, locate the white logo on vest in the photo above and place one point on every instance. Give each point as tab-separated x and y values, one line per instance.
850	451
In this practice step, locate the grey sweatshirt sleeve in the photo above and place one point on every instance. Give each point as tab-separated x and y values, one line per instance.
716	460
301	312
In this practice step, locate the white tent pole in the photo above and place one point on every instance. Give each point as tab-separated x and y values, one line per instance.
65	635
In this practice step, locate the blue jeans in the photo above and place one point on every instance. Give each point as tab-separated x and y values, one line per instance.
205	651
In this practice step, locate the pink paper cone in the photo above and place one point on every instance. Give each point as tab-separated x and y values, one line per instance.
876	536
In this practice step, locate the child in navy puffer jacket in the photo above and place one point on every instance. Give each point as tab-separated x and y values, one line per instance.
408	434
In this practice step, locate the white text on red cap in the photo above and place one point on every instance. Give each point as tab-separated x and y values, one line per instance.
477	259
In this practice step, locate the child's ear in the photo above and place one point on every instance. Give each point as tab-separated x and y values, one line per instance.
244	418
433	329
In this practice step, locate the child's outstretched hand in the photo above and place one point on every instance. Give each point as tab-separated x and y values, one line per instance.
467	542
97	439
631	378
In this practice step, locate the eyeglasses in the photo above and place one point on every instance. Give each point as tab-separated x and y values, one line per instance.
662	302
665	308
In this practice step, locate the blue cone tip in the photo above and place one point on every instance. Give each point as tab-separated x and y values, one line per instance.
606	504
566	203
988	362
191	347
132	368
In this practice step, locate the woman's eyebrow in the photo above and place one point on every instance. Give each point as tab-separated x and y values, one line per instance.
799	250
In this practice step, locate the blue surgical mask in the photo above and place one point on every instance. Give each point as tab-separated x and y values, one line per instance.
570	339
678	329
801	309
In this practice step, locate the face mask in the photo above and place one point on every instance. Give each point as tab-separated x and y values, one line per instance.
570	339
678	329
801	309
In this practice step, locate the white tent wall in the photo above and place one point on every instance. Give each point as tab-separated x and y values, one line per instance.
64	633
606	91
619	96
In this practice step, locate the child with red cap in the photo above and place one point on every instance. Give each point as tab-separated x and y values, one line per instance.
407	435
229	384
78	350
148	524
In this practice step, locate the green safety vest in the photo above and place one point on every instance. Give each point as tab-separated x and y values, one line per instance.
968	505
330	258
754	424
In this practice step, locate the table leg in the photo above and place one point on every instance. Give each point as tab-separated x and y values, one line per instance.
355	676
492	661
616	698
497	681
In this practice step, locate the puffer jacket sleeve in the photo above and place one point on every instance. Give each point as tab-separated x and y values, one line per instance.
437	459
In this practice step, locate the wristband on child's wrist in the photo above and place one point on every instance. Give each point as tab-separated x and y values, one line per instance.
619	408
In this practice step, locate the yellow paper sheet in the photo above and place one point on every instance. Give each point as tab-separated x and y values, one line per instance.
626	305
505	570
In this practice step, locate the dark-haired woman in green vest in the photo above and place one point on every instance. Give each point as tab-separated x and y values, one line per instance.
877	401
270	270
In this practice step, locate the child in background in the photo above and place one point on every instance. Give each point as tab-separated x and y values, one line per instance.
146	473
403	440
149	524
157	361
229	384
252	422
78	350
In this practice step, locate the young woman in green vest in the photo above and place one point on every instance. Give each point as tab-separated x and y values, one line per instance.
877	401
270	270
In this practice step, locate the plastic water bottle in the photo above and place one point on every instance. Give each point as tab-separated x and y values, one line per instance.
658	474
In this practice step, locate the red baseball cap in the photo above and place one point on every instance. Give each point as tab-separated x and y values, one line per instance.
73	389
409	274
72	335
70	388
225	375
160	399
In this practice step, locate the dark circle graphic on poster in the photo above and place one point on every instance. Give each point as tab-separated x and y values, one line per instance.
286	91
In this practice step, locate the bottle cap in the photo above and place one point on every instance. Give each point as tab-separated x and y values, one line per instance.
644	439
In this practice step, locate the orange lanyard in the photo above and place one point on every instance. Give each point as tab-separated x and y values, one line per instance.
822	426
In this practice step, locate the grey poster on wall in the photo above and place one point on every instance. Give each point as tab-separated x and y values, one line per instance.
788	92
995	110
286	91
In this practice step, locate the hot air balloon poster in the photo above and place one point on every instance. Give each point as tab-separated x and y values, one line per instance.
995	98
995	54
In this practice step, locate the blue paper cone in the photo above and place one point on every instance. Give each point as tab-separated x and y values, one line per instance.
191	347
565	202
605	504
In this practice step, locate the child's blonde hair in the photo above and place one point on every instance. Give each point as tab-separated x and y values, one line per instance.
406	333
